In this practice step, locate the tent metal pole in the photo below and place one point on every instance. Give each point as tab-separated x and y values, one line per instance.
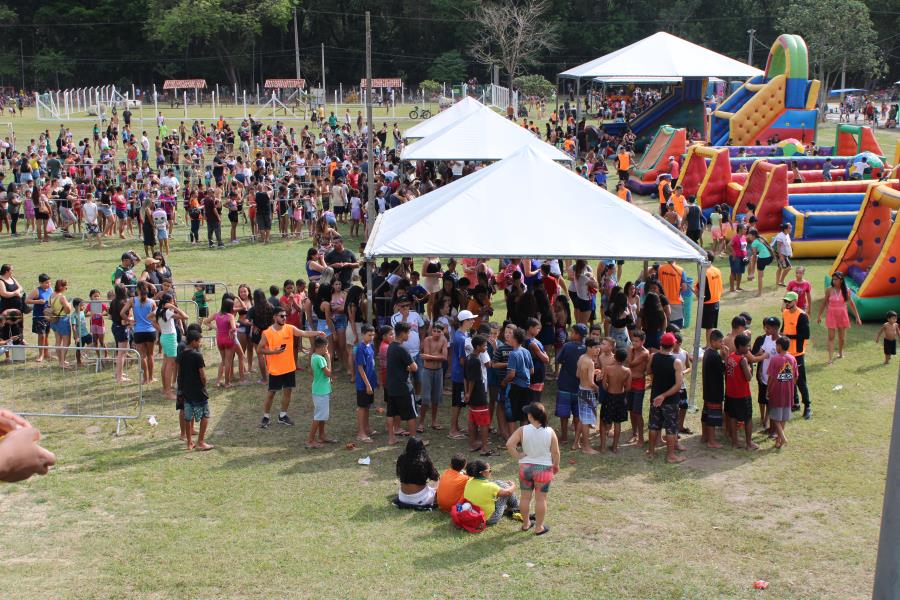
695	351
577	98
887	572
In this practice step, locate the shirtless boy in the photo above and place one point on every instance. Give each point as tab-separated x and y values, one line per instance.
616	380
638	359
587	396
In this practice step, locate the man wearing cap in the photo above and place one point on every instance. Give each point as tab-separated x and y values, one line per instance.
124	273
795	326
667	374
460	347
674	168
567	381
342	261
673	282
712	294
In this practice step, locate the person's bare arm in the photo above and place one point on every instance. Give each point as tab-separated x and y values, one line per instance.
676	387
513	441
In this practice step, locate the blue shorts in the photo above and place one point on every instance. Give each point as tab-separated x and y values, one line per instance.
162	234
587	407
322	325
503	400
321	406
62	327
737	265
195	412
566	404
340	321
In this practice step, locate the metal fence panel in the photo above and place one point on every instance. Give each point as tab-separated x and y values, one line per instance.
45	390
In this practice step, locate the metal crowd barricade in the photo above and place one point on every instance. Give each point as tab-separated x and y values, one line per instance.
44	389
213	290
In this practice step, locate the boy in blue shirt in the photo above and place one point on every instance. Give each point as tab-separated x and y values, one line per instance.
366	382
518	376
458	352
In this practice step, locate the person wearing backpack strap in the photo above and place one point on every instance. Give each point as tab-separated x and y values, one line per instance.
761	254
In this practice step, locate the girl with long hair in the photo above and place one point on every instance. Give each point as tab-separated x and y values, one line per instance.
837	296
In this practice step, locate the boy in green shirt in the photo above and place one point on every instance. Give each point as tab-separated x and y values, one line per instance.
321	393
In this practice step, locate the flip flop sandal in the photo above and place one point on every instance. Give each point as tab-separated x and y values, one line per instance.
546	530
457	436
420	429
488	453
530	525
437	427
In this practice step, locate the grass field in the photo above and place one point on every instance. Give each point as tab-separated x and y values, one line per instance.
260	517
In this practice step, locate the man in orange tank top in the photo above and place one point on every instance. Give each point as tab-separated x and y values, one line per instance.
277	345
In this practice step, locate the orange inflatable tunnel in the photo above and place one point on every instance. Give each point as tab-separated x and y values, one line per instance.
870	259
767	189
851	140
705	174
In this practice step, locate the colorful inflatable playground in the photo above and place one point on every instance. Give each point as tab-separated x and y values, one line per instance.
738	172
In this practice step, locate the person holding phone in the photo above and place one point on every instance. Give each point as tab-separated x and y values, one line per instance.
277	345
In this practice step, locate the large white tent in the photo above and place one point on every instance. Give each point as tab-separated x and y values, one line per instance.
525	205
463	108
662	55
481	135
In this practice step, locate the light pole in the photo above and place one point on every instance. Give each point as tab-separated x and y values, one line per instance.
751	33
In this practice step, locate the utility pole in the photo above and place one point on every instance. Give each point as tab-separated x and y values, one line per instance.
751	33
22	54
324	93
370	162
296	46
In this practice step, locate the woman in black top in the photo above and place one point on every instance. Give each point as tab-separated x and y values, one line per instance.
415	469
119	329
261	317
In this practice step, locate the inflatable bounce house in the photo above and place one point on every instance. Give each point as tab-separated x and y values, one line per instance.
781	102
668	141
870	257
853	139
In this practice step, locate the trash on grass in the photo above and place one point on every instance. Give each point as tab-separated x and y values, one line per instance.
760	584
837	388
152	420
364	461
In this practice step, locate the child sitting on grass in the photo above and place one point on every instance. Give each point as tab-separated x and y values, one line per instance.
192	385
321	393
452	483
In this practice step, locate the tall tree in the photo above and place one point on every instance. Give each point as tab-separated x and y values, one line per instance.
834	44
514	35
229	28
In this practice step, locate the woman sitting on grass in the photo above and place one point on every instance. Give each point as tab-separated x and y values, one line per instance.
415	469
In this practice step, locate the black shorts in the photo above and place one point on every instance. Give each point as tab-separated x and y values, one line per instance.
403	406
232	217
682	400
179	402
739	409
694	235
364	399
519	398
623	175
256	336
41	326
339	210
710	317
664	416
144	337
890	347
614	409
762	263
120	333
761	397
203	312
285	381
457	394
712	414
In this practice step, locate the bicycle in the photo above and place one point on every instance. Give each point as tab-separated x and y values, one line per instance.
415	113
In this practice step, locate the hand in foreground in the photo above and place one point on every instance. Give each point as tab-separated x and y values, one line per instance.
21	457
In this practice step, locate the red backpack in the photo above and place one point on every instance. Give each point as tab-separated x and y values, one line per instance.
470	518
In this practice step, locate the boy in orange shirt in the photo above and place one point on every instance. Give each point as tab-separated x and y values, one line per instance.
452	483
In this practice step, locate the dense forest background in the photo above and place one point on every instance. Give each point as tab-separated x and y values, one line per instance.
65	43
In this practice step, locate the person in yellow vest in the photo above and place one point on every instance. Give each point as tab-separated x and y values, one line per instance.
795	327
277	345
623	163
664	189
673	282
677	200
711	297
623	192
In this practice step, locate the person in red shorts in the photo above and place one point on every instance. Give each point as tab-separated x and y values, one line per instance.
738	402
476	398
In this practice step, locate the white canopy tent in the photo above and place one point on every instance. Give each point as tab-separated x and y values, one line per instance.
481	135
646	80
501	210
662	55
463	108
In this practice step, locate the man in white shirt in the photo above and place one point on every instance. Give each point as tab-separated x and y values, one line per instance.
89	214
145	149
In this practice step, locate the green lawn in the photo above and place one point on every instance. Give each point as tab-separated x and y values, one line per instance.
260	517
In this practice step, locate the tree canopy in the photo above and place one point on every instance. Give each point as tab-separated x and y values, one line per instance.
247	41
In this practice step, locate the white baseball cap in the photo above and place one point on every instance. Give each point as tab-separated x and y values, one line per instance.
465	315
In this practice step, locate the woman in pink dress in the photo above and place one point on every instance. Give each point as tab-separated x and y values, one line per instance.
837	319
